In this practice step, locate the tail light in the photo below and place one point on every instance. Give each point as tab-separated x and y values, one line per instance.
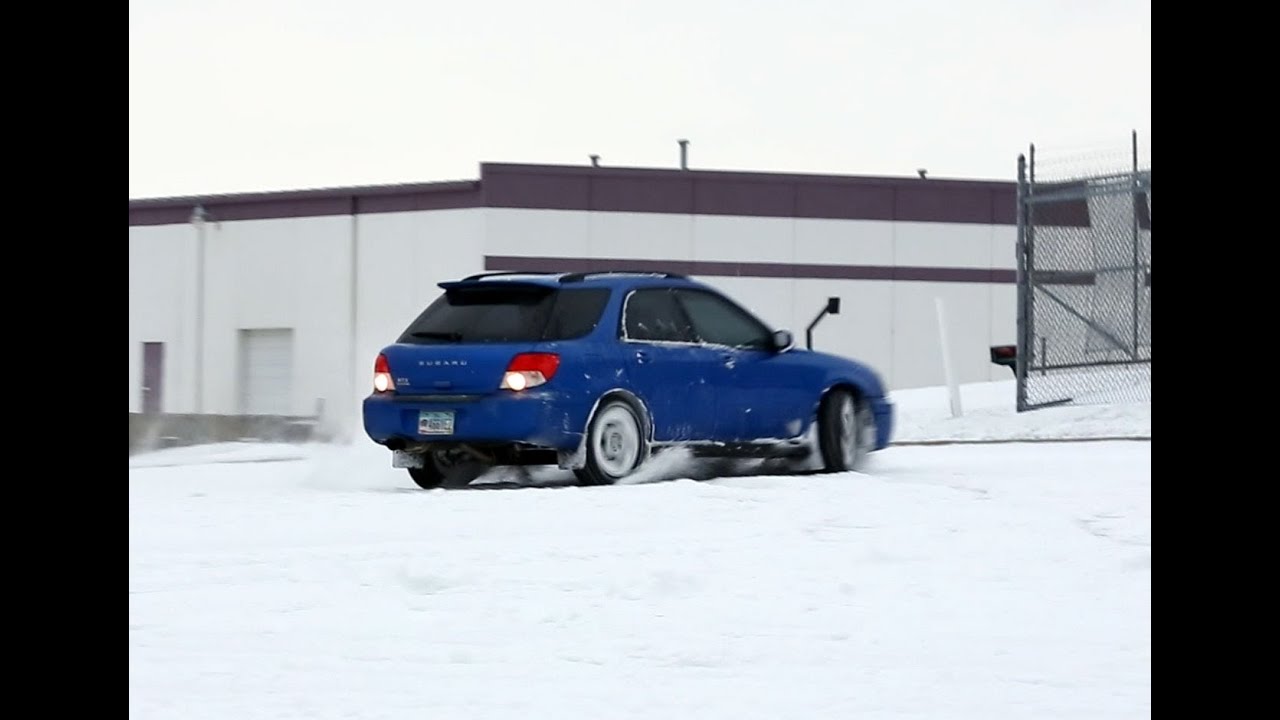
528	370
382	381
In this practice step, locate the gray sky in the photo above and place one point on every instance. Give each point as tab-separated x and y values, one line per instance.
243	95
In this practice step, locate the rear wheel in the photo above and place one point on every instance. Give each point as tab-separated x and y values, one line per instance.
615	444
448	470
843	425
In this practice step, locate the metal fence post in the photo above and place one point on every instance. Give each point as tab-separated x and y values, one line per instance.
1137	288
1024	290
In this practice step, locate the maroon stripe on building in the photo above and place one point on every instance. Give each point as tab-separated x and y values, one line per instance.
644	190
798	271
307	203
780	195
649	190
715	268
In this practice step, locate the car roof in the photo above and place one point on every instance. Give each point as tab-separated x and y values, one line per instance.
602	278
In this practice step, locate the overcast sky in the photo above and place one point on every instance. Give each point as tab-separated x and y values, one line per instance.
244	95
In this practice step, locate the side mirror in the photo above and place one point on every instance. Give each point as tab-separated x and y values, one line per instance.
783	340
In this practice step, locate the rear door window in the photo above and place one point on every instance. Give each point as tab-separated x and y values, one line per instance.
653	315
576	313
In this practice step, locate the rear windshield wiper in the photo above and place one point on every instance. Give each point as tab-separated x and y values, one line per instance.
434	335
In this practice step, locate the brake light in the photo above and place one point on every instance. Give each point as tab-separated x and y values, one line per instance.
382	381
528	370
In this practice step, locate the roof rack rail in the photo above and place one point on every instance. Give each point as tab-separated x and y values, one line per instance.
498	273
580	276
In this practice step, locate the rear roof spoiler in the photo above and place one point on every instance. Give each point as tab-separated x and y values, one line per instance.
568	277
480	283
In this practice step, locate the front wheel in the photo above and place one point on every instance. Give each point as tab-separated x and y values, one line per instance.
843	431
615	445
441	469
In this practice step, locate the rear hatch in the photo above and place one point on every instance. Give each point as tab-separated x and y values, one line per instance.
462	343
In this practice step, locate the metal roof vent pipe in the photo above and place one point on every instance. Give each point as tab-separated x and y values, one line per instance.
595	161
684	154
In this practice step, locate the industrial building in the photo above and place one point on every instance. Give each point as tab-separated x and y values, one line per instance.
275	304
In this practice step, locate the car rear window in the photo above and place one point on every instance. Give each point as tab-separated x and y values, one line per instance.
508	314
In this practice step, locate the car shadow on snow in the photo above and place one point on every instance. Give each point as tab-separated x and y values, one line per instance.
667	467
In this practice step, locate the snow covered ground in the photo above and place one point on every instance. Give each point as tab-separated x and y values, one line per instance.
922	415
955	581
988	412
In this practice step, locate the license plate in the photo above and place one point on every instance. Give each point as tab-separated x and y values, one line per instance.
435	422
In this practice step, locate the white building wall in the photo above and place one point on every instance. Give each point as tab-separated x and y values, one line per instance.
645	236
1004	296
844	242
559	233
161	303
280	273
945	245
917	351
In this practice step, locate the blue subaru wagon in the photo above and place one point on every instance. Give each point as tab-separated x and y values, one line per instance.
594	372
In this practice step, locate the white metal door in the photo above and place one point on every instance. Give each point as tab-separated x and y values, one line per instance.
266	372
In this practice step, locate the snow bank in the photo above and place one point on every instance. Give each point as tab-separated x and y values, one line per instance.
989	413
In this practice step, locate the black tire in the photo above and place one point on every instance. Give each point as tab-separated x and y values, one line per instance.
842	423
436	472
616	444
427	477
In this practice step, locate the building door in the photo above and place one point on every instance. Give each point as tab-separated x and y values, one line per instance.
152	377
266	372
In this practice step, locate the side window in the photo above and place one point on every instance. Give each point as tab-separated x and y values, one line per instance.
716	320
654	315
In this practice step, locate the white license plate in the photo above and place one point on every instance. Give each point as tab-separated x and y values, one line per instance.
435	422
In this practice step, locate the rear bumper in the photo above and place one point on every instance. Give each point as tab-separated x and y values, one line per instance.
540	419
882	412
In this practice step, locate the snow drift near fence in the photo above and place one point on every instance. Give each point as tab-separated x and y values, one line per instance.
989	413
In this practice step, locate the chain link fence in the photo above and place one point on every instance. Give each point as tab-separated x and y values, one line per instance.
1084	280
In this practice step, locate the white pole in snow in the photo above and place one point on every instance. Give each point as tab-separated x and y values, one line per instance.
950	377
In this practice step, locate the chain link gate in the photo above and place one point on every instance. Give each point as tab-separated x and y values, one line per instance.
1084	287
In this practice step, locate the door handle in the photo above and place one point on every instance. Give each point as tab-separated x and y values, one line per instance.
642	356
729	360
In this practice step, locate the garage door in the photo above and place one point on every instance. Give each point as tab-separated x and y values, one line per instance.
266	371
